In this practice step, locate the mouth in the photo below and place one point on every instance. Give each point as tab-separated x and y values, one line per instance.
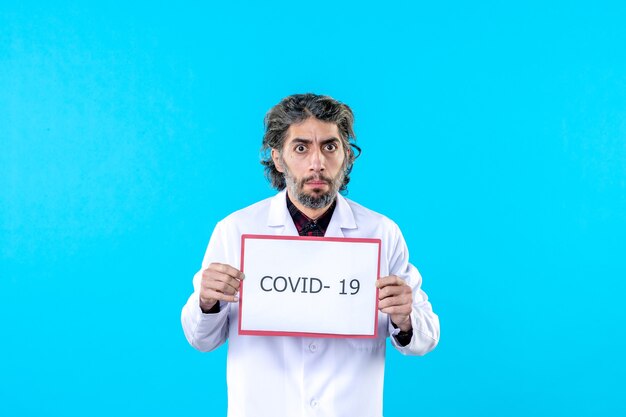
316	183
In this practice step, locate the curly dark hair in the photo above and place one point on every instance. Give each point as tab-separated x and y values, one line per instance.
296	109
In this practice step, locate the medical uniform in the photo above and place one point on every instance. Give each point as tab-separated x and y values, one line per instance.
277	376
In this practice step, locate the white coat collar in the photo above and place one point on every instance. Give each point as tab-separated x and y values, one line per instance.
279	217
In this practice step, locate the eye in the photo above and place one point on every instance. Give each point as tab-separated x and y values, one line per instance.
330	147
300	148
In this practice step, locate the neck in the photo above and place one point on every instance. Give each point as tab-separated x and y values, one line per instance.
312	214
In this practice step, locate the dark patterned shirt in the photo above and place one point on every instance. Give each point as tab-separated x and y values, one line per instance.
306	226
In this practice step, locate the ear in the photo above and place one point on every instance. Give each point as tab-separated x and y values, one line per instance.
276	159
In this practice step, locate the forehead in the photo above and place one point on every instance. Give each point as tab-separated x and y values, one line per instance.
312	129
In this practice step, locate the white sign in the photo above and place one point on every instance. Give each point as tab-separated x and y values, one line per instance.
309	286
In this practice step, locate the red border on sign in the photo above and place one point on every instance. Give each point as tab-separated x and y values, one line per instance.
305	334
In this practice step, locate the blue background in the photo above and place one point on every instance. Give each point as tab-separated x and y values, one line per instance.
494	134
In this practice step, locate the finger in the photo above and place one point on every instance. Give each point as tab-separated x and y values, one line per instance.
229	287
390	280
227	269
392	291
398	300
215	295
396	310
210	275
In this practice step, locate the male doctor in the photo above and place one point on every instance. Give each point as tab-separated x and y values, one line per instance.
309	152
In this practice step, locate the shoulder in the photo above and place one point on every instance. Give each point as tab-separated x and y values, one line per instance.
364	215
251	212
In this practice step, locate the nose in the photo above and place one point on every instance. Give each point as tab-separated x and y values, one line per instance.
317	161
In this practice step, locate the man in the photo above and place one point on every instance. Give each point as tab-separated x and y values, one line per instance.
309	152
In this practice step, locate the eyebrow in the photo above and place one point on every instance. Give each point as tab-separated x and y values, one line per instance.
307	141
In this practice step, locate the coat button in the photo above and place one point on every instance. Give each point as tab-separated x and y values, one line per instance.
313	347
314	403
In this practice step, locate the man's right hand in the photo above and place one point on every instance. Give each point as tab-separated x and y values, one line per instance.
220	282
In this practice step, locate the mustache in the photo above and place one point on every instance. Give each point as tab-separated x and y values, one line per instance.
316	177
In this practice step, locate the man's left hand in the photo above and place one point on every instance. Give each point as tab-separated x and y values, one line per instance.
395	298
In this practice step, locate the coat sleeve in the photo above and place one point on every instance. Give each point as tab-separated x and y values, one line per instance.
206	332
424	321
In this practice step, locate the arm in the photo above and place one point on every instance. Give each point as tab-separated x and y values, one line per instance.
204	331
401	297
205	315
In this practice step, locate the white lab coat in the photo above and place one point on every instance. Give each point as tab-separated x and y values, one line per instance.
280	376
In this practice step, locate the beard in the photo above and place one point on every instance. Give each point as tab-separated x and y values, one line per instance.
316	198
